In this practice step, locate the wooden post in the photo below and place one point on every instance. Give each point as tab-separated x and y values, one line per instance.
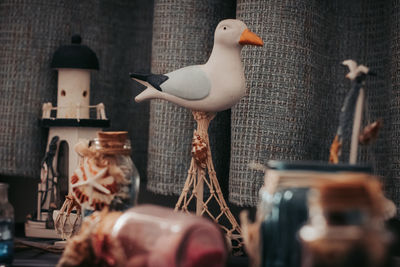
200	196
356	127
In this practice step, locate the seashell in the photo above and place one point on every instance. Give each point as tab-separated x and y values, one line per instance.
199	150
92	185
370	132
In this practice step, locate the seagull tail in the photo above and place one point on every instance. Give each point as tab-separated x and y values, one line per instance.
139	76
149	93
154	79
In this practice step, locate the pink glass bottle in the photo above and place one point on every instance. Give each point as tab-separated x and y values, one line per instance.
161	237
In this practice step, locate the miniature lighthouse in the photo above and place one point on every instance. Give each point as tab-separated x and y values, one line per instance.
74	63
72	120
68	122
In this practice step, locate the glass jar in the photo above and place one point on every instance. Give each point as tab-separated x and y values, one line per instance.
106	175
6	227
146	235
283	207
164	238
346	225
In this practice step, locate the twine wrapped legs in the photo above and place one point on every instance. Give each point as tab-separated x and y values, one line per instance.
200	165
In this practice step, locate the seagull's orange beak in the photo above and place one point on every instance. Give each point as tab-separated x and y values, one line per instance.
250	38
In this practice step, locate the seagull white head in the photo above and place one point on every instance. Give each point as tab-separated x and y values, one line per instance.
232	32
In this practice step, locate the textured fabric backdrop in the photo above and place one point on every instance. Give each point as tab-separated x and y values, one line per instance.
392	105
183	34
30	32
296	85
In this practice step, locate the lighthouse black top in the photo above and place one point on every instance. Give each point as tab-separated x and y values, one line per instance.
75	56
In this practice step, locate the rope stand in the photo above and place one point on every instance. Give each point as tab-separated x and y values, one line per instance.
201	164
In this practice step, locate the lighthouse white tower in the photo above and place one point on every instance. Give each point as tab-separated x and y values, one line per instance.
71	120
73	93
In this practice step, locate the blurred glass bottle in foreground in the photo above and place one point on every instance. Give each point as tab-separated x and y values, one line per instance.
146	236
6	227
346	225
284	206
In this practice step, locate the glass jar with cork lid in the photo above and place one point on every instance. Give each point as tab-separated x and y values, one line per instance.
346	224
284	209
106	175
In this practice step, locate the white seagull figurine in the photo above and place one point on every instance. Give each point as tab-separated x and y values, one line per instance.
214	86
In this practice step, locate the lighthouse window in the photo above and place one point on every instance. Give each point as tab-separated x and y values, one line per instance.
63	93
84	93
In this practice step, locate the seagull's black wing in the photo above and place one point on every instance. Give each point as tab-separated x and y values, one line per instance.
154	79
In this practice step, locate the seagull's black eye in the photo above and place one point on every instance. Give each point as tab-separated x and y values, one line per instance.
224	28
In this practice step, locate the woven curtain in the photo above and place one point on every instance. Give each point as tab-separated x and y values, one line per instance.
296	85
119	32
183	34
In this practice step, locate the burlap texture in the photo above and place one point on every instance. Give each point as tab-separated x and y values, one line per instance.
30	32
389	145
297	86
183	34
295	83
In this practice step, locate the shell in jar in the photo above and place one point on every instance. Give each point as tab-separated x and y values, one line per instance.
92	185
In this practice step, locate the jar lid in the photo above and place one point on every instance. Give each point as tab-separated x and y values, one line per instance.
116	142
285	174
316	166
116	135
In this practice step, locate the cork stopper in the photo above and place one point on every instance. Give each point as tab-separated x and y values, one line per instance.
113	142
121	135
355	193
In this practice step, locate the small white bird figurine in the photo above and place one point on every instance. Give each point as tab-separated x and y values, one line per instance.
355	70
214	86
